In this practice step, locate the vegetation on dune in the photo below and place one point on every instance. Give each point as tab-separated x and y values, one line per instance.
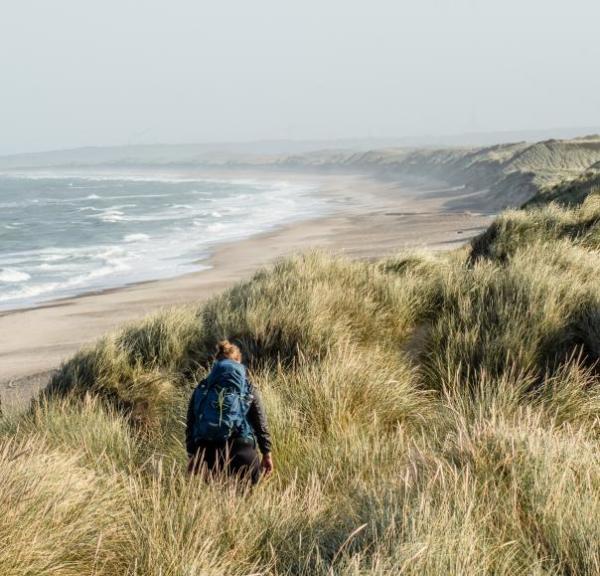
572	192
432	414
511	173
520	229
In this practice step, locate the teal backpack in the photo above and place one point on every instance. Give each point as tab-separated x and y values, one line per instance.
221	404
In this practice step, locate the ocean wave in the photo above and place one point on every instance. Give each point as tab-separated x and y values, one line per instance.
108	252
45	266
54	257
29	292
10	275
79	281
240	198
98	273
136	237
102	239
216	227
133	196
158	216
110	215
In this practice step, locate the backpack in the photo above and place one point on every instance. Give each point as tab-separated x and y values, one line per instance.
221	403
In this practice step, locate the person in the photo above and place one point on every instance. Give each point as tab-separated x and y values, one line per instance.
226	420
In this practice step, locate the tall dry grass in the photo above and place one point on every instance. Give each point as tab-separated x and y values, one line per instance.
430	415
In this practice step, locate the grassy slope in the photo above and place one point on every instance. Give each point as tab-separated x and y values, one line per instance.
570	192
432	414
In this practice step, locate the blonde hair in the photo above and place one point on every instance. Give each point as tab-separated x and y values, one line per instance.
227	350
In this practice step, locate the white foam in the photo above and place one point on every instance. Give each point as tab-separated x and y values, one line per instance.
136	237
54	257
167	237
29	292
11	275
129	196
110	252
97	273
216	227
111	215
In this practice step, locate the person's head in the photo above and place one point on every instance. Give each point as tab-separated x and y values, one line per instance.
228	351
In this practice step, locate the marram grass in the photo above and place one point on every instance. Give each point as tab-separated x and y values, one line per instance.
430	415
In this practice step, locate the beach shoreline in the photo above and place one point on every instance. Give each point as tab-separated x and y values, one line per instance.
372	218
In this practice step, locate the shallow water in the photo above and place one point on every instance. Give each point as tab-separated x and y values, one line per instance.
63	234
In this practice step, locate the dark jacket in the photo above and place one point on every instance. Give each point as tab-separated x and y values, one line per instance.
256	418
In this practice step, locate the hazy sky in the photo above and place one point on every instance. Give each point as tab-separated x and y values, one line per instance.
96	72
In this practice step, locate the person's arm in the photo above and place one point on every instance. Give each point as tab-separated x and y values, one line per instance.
258	420
189	441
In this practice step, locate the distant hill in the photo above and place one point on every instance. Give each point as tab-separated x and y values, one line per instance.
511	173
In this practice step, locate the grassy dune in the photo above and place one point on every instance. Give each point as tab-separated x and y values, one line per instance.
572	192
511	173
432	414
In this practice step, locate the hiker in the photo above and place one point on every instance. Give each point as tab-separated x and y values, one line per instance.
226	420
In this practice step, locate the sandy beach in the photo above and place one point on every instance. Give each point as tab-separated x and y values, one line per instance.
372	218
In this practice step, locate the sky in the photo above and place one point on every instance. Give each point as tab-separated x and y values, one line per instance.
105	72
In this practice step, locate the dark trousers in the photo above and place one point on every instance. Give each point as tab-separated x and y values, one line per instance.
237	457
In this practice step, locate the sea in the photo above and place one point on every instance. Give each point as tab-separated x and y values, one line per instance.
63	234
